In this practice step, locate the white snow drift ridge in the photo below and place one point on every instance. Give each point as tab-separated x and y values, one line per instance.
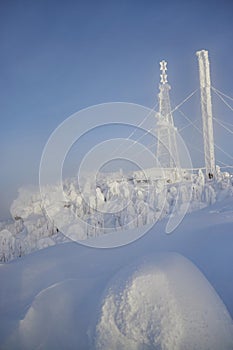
162	303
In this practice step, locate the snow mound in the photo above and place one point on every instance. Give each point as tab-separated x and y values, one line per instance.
162	303
57	317
53	313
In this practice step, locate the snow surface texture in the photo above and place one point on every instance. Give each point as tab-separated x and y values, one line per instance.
162	303
74	297
60	297
114	204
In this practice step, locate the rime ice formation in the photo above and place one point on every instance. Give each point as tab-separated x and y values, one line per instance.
167	151
206	108
135	204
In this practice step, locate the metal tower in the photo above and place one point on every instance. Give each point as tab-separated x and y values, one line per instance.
206	108
167	153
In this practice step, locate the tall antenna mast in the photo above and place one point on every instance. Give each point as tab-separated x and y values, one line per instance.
167	153
206	108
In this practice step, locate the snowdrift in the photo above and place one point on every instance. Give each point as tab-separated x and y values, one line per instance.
162	303
60	298
150	294
74	297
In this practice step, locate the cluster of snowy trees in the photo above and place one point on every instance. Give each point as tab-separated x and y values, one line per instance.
21	237
110	204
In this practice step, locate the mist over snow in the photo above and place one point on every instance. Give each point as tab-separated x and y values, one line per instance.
115	204
118	261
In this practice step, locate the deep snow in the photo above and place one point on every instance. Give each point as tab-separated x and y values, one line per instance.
58	296
162	302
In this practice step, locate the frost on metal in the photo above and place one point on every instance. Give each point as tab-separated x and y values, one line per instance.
206	107
167	152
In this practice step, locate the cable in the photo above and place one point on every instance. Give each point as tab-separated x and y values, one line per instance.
196	148
149	131
221	93
226	128
190	121
147	148
187	125
152	144
138	126
227	123
199	150
227	104
227	154
185	100
224	164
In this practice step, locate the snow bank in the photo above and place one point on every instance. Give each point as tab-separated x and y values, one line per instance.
162	303
54	320
158	302
55	297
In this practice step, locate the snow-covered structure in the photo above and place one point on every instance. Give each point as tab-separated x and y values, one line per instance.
148	295
117	202
206	107
167	152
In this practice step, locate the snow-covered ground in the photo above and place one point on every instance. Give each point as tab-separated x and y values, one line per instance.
162	303
150	294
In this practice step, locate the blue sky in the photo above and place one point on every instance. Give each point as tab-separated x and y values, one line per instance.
58	57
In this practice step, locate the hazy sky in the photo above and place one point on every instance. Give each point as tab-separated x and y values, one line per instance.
58	57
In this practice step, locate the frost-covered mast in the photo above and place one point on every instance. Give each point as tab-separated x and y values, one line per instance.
167	154
206	108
